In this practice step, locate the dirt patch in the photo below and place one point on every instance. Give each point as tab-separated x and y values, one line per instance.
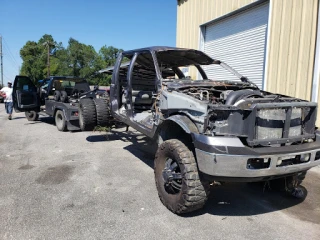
26	167
68	206
55	175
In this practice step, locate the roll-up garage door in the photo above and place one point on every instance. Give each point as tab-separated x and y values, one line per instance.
240	41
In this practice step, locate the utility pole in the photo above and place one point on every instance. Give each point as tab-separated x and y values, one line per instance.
48	44
48	63
1	57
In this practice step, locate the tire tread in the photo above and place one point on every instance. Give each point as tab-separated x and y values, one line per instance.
197	191
88	114
103	112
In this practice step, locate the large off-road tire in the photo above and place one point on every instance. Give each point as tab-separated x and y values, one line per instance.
177	178
32	115
87	114
57	95
103	112
60	121
63	96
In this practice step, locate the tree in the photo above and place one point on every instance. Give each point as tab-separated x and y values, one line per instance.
84	61
34	56
63	66
77	59
109	54
51	46
32	65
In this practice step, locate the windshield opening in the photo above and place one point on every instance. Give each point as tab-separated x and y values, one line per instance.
183	64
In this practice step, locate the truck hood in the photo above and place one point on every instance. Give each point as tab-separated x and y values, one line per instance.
180	84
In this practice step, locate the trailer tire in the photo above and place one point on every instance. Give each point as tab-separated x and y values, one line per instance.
103	112
32	115
64	96
57	95
60	121
177	178
87	114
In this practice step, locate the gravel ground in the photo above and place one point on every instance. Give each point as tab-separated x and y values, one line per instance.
86	185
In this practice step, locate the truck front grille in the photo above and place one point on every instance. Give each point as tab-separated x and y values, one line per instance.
282	123
270	123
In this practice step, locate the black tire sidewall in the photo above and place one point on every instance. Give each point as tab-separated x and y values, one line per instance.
57	95
63	96
32	115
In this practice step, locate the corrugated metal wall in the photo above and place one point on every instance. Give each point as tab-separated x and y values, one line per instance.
292	47
318	116
192	13
291	41
240	42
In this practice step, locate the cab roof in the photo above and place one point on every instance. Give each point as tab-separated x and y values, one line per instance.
176	56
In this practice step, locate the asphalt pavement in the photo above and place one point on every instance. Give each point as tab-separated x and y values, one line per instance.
92	185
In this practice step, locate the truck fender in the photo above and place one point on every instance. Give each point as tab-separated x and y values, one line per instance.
184	122
176	126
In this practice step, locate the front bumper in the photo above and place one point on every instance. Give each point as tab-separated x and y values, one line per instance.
227	157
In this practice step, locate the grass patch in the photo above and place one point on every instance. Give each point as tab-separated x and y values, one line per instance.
105	130
101	129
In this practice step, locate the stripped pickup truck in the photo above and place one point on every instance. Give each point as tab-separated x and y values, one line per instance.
210	130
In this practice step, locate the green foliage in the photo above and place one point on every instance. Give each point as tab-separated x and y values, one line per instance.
77	59
33	60
109	54
101	129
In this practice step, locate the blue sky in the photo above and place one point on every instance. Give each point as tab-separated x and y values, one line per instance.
125	24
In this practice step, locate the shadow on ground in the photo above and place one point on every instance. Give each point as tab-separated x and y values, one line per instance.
231	199
47	120
16	118
142	147
243	199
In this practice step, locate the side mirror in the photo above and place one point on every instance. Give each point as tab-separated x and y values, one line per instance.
96	87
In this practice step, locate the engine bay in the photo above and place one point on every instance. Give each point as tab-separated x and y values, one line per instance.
231	94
